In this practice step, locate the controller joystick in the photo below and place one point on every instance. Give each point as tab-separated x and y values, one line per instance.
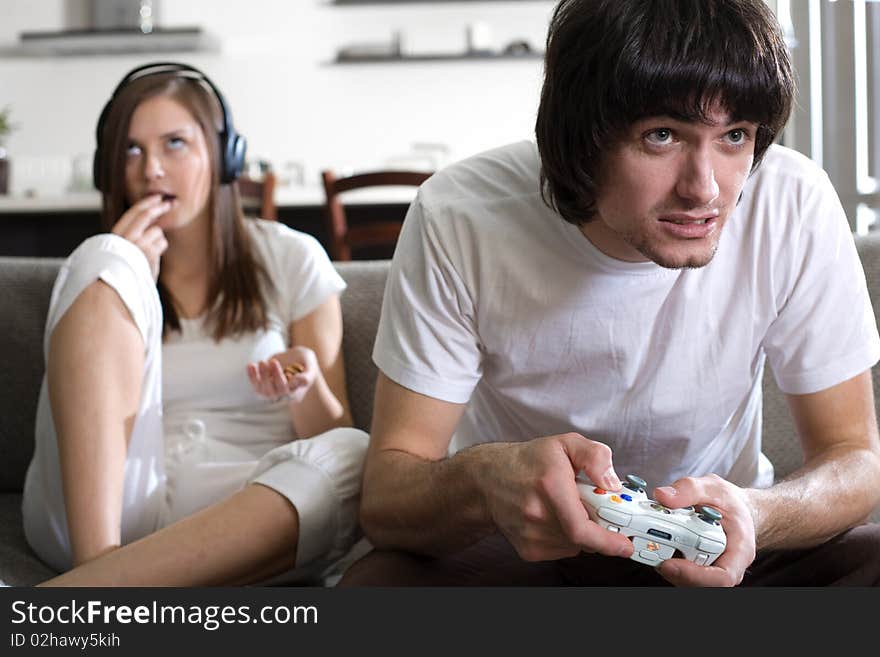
656	532
709	514
635	483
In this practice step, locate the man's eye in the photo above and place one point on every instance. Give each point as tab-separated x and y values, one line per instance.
659	136
737	136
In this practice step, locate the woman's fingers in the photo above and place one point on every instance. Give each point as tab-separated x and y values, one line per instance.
153	243
140	216
273	380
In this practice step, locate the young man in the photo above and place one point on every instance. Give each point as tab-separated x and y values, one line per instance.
605	302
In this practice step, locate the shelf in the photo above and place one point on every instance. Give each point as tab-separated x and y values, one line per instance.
433	57
115	42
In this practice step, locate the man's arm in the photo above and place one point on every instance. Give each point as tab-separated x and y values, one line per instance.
835	489
839	483
415	499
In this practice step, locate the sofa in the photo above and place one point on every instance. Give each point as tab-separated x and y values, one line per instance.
25	286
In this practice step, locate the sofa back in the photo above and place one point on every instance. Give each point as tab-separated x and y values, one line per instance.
26	284
25	288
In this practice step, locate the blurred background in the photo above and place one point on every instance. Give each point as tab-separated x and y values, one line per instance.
301	106
356	85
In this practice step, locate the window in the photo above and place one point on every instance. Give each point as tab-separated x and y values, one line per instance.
835	47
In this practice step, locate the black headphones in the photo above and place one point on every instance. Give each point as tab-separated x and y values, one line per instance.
232	144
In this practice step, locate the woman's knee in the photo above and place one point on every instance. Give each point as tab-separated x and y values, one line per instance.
321	477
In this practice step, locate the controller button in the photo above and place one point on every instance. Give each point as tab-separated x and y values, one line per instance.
599	491
613	528
710	515
617	517
626	497
636	483
701	559
616	499
660	534
659	507
708	545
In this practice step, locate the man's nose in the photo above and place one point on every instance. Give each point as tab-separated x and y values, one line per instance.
696	180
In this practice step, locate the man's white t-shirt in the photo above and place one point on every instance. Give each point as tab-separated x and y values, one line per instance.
496	302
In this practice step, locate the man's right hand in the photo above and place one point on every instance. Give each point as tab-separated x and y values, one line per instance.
533	499
137	225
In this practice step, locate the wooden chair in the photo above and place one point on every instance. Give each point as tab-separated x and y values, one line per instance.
342	238
258	196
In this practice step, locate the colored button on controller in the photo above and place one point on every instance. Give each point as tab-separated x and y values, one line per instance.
599	491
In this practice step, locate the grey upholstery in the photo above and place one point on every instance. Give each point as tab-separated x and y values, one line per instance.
25	286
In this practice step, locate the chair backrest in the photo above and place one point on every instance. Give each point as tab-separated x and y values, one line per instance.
258	196
342	238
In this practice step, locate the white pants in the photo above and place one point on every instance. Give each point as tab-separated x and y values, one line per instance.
320	476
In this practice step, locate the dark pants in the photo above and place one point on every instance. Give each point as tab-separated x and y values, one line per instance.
850	559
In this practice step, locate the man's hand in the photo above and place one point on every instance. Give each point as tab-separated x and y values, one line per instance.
737	522
533	499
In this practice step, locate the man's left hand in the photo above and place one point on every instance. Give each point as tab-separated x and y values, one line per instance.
737	522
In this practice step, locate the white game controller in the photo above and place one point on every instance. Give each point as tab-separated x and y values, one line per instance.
656	532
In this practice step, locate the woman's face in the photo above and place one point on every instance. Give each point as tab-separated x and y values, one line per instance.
168	155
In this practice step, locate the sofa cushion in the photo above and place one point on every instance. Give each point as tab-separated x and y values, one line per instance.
361	305
18	565
25	287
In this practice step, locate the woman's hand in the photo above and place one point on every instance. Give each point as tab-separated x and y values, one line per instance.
137	225
288	374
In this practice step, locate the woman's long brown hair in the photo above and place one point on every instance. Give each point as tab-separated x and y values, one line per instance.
238	283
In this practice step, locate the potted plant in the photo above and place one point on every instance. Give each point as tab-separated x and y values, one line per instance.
6	128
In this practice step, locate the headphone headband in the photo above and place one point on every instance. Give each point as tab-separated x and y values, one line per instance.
232	145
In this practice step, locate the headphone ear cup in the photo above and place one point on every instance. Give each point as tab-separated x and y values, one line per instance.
96	170
233	163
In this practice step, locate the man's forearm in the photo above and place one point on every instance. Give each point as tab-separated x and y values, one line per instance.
424	506
828	495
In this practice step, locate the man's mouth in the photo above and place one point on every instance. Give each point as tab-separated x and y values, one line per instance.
690	218
683	222
684	225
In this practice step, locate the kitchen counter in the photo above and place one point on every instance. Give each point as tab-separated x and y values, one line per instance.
52	226
285	197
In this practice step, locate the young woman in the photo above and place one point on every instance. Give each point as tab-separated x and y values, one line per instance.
190	423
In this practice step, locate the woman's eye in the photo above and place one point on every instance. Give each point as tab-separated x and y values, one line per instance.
659	137
176	143
133	150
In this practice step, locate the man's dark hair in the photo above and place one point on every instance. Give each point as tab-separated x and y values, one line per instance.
610	63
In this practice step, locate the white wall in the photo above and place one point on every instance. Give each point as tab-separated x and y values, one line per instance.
287	99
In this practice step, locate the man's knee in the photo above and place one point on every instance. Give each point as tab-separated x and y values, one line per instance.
388	568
